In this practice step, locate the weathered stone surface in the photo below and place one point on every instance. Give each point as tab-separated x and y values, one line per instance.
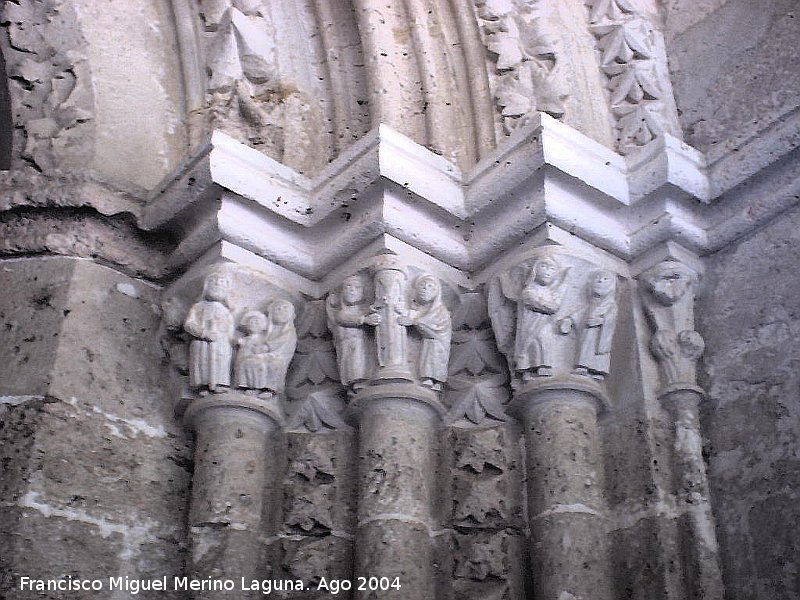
752	421
85	234
140	103
422	470
51	87
733	72
639	561
95	376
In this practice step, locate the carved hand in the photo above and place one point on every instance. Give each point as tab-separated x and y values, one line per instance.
405	320
372	319
594	321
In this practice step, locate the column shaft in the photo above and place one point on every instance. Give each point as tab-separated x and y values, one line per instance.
696	525
397	470
565	503
231	495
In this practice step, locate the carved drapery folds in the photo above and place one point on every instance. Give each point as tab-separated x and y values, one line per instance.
381	342
264	343
554	315
390	324
242	73
229	335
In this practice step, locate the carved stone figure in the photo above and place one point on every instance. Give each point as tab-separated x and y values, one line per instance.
431	319
396	311
267	356
348	315
668	304
251	366
242	70
211	324
537	302
595	326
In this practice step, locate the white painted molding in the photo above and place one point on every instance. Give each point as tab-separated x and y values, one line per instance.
387	190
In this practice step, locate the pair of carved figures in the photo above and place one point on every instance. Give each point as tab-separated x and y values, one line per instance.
263	353
527	334
389	318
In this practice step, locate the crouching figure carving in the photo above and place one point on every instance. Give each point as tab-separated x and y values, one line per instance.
668	301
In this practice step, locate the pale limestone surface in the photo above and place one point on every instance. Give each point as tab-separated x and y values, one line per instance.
734	73
139	117
92	432
416	429
751	420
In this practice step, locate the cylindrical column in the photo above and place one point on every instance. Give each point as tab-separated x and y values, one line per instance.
231	492
397	478
696	525
565	499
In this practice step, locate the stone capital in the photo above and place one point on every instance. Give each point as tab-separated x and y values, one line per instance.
568	389
398	394
233	403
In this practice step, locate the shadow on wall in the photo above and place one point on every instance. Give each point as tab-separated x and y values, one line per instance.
5	118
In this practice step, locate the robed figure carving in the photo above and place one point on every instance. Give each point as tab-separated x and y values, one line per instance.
211	325
595	326
527	338
430	318
348	319
265	353
401	336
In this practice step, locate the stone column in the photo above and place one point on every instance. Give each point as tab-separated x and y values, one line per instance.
238	339
668	299
696	528
554	318
397	479
566	510
234	487
393	352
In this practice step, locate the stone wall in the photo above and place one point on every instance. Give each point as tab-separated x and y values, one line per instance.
734	72
393	148
748	314
95	469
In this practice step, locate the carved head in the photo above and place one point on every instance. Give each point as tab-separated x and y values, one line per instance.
602	284
254	321
426	289
352	290
173	313
217	287
544	271
669	281
281	312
